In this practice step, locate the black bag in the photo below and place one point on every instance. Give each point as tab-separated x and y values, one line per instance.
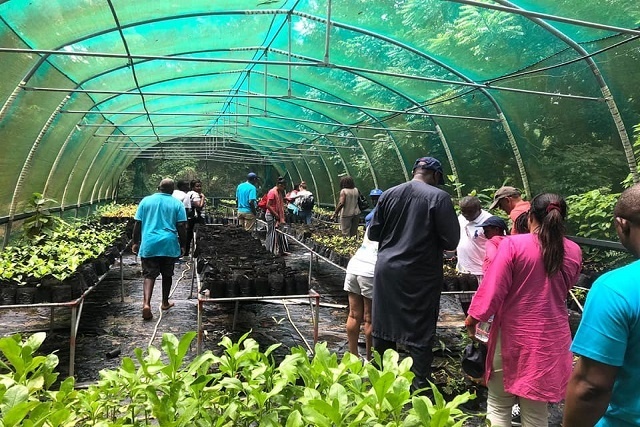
474	358
307	202
363	204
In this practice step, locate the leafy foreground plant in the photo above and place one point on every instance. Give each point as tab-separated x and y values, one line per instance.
242	387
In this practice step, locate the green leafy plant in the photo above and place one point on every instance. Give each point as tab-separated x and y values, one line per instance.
241	387
25	398
591	216
42	221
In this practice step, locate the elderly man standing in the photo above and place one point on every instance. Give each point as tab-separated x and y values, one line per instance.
471	248
414	223
509	199
159	238
603	389
246	198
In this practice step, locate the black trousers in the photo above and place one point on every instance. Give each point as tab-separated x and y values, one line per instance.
422	359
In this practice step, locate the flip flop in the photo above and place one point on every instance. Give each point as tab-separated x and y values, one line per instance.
146	313
167	307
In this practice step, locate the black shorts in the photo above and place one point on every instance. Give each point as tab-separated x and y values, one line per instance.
154	266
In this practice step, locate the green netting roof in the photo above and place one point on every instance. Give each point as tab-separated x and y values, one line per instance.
535	93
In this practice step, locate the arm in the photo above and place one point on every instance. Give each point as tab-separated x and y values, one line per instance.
340	204
182	235
137	236
588	392
495	286
470	323
253	202
203	201
447	224
375	226
271	206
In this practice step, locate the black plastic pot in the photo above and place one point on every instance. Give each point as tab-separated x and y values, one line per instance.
25	294
302	283
8	293
263	287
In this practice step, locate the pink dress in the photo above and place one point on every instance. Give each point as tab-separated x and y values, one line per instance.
530	309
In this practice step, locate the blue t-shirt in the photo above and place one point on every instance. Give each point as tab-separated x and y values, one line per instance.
609	333
244	194
159	214
369	217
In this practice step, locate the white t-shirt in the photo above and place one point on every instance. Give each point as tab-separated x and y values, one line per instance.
302	194
179	194
471	248
364	260
190	196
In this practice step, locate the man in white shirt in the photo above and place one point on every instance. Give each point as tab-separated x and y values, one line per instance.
471	248
181	191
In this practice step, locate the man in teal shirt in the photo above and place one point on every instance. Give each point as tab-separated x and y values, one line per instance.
246	198
159	236
603	389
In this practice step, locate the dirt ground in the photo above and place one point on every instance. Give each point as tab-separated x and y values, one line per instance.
110	329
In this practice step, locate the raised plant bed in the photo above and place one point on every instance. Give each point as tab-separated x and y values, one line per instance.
233	263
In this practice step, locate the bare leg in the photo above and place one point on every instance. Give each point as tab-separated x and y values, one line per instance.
367	325
354	321
166	290
147	292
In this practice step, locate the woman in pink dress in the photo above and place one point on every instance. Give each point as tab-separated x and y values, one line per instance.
525	290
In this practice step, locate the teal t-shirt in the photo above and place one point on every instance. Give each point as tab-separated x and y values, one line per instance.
159	214
609	333
244	194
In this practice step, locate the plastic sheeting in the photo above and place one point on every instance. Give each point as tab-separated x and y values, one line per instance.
540	94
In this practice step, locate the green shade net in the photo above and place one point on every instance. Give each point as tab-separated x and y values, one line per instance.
538	94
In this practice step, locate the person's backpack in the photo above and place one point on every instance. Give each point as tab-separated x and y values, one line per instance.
307	202
363	204
262	204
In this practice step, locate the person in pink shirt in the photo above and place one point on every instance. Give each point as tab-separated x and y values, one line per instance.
525	290
276	242
495	230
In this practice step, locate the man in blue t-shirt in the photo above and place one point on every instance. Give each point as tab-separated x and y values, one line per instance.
159	238
603	389
246	198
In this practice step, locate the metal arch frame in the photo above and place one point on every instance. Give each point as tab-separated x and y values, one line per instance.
301	124
439	132
309	108
293	143
357	30
227	12
389	133
604	88
271	75
26	166
492	100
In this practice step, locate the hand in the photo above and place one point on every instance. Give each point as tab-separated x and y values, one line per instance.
182	250
135	247
470	323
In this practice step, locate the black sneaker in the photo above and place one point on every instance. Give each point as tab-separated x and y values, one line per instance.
515	416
